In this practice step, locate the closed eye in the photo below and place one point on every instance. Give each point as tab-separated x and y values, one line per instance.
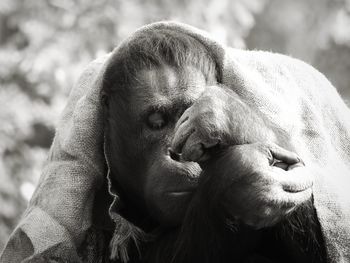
157	120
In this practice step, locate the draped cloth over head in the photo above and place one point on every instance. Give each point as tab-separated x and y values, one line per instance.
74	192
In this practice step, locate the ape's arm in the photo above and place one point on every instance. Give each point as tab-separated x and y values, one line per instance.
218	118
262	181
243	184
254	188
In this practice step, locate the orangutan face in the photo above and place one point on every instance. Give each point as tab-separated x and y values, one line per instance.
149	172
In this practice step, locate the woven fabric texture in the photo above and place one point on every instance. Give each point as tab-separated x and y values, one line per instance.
293	96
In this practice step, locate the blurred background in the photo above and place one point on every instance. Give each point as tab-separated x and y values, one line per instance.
45	45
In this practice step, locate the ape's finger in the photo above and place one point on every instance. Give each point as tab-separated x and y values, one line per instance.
292	199
181	136
275	206
283	154
193	149
296	165
184	117
294	180
281	165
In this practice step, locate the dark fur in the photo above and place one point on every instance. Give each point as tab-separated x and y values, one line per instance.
207	233
155	49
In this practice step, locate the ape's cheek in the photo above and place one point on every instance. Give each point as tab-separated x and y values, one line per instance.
169	189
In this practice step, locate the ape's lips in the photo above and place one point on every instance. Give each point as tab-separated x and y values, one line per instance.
180	193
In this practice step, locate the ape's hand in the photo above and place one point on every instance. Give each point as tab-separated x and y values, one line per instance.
261	183
218	117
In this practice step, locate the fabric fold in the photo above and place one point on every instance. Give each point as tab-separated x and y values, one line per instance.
294	97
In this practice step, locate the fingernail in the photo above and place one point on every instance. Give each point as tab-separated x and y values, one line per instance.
301	161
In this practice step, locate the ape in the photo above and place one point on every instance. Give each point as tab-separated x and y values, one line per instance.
205	176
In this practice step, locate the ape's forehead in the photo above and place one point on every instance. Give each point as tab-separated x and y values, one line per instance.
167	85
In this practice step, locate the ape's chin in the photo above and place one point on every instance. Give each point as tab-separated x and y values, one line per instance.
169	208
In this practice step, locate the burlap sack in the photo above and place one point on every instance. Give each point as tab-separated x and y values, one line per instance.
296	98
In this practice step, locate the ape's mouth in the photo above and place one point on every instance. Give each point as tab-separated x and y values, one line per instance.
180	193
181	190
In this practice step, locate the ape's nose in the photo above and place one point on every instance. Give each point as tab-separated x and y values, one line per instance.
174	155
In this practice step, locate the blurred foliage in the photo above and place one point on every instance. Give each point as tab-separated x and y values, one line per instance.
317	31
45	44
